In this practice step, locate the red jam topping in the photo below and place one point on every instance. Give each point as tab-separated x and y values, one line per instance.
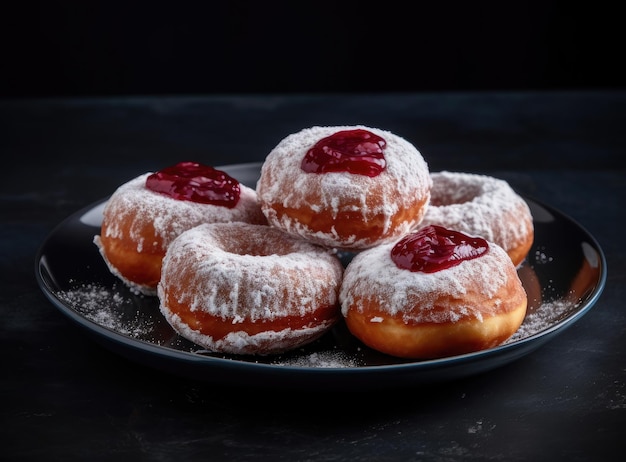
354	151
190	181
434	248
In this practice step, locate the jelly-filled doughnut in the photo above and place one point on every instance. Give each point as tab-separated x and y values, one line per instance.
483	206
240	288
347	187
143	216
434	293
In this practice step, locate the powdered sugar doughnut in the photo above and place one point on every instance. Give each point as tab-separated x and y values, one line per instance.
248	289
433	310
138	224
349	187
484	206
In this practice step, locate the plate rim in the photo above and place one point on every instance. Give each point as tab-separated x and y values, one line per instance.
108	335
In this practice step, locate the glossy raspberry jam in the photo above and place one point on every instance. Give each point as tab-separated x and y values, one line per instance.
434	248
354	151
190	181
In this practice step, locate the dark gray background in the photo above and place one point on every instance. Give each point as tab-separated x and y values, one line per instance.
114	48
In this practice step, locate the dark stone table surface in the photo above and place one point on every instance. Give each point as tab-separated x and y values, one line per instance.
66	397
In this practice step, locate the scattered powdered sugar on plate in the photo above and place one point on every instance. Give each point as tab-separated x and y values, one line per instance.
325	357
322	359
543	317
116	311
107	308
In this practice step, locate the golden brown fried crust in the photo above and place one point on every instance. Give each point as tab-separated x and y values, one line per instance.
400	335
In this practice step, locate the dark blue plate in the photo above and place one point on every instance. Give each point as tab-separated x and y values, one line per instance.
564	275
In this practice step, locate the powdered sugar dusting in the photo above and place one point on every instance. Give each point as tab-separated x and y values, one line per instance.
479	205
372	273
209	258
115	310
107	308
239	272
282	181
135	203
546	315
321	359
133	286
240	342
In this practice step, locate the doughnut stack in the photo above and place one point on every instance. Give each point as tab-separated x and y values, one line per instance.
248	271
